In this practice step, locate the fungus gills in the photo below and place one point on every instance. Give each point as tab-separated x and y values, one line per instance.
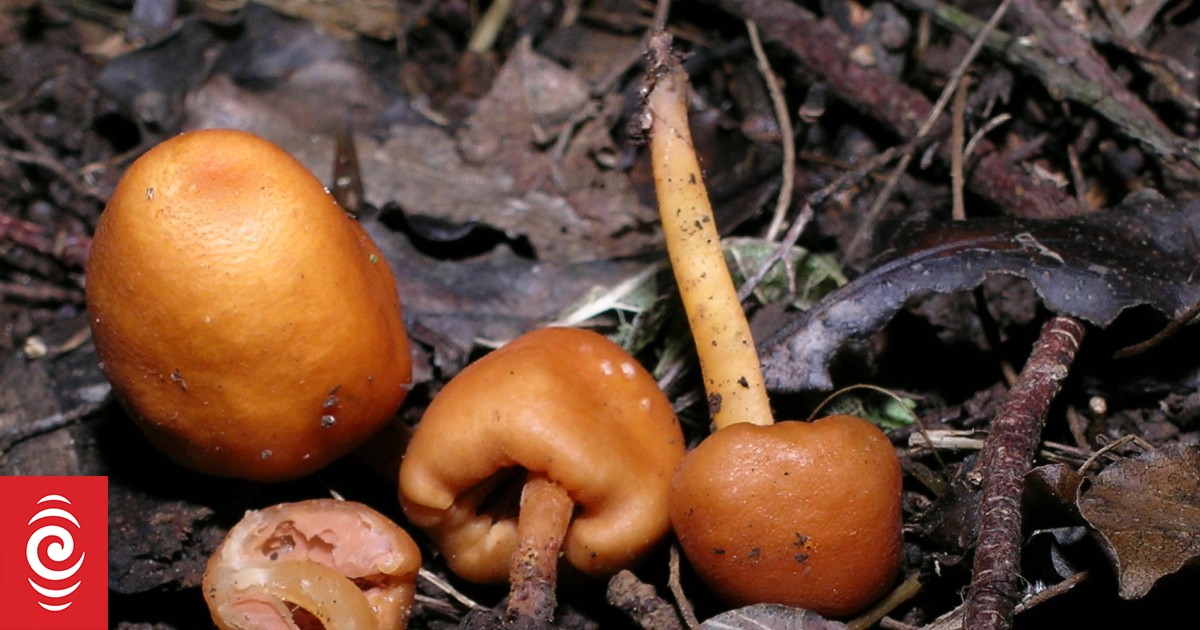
339	563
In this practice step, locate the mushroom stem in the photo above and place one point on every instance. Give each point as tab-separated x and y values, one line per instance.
725	347
827	533
542	524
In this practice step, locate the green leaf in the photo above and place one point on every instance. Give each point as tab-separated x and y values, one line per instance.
814	275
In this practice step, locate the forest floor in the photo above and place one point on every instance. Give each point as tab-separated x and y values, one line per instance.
950	191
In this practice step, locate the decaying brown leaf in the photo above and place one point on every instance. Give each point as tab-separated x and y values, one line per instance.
770	616
539	129
1147	511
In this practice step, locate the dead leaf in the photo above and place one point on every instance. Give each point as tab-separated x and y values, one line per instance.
1143	252
493	297
529	102
1052	490
1147	512
380	19
419	169
539	128
151	82
296	85
773	616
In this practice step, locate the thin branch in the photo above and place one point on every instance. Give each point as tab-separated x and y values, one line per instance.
955	78
675	584
1188	317
958	119
785	132
1067	81
897	106
1007	456
47	424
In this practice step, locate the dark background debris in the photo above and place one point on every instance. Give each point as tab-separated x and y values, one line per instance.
504	190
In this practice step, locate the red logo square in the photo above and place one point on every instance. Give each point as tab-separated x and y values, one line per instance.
53	553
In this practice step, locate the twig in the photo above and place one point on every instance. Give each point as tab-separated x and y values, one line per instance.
488	28
944	98
935	440
1114	101
785	132
958	118
41	293
1107	448
46	424
1170	329
662	8
1052	591
449	589
780	253
676	586
1006	457
907	589
983	131
641	603
894	104
41	155
70	250
1169	72
844	181
52	164
1066	81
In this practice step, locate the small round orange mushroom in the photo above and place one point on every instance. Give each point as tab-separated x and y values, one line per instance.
248	324
799	513
581	427
339	563
805	514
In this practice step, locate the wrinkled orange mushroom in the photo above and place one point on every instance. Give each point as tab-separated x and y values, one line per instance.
805	514
251	328
584	431
339	563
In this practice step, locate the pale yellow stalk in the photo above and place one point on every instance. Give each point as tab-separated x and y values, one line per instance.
728	359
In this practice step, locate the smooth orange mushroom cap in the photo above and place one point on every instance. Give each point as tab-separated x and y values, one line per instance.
341	562
569	404
798	513
248	324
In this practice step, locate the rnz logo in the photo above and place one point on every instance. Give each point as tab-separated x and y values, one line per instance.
54	553
54	586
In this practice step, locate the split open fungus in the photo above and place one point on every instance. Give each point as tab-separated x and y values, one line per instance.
337	563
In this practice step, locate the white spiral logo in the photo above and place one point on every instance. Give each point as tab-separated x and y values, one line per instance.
60	549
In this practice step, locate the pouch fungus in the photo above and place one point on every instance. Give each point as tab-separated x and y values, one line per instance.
339	563
248	324
804	514
583	430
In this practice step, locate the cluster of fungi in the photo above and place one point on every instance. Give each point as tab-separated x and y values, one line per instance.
221	255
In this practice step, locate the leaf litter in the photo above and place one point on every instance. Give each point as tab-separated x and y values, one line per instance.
523	203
